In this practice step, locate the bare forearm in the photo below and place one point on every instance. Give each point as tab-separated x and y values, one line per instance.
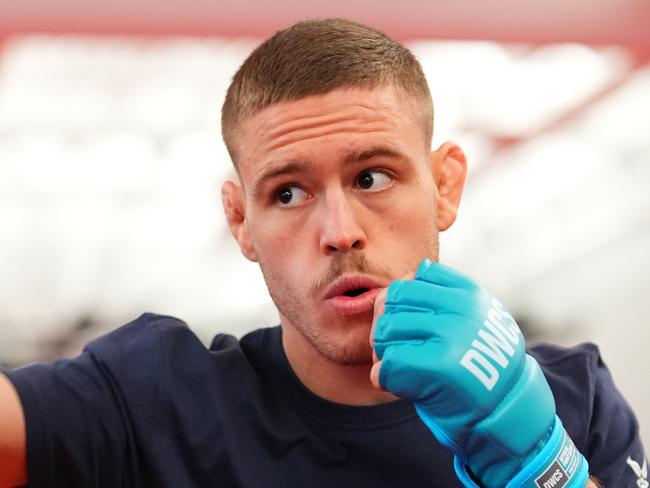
12	437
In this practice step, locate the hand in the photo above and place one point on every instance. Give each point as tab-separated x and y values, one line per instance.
446	343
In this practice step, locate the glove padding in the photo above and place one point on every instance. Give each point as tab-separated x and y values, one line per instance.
448	344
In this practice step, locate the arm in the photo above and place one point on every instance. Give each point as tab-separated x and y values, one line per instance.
13	470
446	343
79	422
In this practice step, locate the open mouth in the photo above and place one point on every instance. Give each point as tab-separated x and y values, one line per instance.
355	292
353	295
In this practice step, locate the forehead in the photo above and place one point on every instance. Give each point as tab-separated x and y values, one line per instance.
328	126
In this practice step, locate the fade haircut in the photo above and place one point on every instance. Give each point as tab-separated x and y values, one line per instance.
316	57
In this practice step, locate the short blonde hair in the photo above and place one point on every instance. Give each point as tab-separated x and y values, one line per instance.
315	57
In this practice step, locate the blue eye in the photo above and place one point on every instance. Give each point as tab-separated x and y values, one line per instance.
291	195
373	180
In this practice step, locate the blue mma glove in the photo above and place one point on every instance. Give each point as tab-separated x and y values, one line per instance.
447	343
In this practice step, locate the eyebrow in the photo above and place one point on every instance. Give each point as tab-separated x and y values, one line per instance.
291	168
302	167
360	156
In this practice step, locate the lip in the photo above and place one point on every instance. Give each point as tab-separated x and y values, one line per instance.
347	305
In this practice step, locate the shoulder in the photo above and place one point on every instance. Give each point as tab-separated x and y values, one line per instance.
164	346
570	370
577	376
594	412
154	336
553	357
145	332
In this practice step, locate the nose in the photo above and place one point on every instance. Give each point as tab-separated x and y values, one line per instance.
341	229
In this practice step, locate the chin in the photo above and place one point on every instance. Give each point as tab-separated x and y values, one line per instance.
351	349
351	358
343	341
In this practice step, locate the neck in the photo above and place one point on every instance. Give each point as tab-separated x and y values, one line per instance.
349	385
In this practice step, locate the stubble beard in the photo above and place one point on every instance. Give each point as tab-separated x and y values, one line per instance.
352	351
351	348
342	350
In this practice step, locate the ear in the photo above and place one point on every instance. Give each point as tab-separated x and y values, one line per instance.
232	198
449	171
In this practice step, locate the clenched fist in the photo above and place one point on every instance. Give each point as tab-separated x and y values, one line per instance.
446	343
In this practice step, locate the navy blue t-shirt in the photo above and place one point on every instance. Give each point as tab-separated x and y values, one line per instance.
147	405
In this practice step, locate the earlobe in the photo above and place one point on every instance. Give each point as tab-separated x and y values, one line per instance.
449	169
233	206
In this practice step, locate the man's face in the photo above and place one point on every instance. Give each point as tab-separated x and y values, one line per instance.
339	199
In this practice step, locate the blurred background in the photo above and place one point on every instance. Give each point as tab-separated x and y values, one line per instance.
111	162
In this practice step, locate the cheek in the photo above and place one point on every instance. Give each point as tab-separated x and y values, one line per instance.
277	246
282	235
415	235
411	228
415	212
270	247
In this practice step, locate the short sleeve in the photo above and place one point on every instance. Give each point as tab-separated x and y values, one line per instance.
87	418
594	413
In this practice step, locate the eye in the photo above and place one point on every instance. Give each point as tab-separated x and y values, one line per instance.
373	180
290	196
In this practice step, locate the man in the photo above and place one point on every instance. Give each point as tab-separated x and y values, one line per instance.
389	369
